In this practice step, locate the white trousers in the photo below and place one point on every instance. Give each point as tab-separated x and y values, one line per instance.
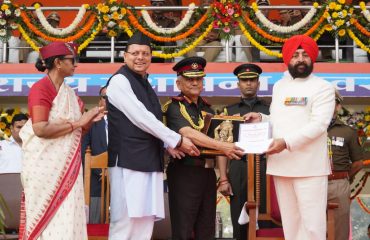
302	202
125	227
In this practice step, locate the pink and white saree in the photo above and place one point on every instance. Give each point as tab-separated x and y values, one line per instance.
53	204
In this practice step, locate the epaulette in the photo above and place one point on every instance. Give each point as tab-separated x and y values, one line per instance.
165	106
205	101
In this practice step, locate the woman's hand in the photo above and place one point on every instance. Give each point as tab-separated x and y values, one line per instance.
93	115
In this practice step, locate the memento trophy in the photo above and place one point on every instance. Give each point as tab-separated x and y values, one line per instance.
221	128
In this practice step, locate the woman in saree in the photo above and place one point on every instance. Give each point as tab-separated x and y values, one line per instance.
53	201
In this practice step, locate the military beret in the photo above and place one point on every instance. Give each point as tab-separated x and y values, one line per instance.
247	70
263	2
301	1
191	67
53	16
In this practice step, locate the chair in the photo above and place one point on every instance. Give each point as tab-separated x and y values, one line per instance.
272	209
98	231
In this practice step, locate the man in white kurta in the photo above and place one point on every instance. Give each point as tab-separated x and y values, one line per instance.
135	146
301	110
11	149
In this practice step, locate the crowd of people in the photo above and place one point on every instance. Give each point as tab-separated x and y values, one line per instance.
308	170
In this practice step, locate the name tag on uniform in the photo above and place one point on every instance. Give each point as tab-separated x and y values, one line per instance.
337	141
295	101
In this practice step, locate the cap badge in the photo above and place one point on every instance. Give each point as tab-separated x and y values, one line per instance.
194	65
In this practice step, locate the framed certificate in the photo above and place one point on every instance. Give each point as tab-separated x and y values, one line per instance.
221	128
254	137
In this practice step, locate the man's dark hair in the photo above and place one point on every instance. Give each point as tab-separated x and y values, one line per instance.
19	117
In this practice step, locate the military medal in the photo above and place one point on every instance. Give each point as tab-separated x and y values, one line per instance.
295	101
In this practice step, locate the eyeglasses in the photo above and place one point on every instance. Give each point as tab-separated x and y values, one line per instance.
73	59
136	54
105	97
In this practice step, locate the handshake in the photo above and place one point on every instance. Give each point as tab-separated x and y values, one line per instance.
191	139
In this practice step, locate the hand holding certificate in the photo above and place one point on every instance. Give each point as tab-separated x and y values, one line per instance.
254	137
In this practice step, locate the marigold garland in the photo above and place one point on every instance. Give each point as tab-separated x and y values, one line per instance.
92	37
187	49
137	25
278	39
27	38
360	27
183	23
128	31
261	31
363	205
72	38
61	31
358	41
285	29
315	26
359	186
318	35
256	44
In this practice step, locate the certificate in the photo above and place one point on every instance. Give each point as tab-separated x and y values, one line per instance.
254	137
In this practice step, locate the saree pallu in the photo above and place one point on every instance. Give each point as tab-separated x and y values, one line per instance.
53	204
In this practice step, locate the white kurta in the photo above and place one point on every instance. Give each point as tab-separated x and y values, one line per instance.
143	191
10	156
303	127
300	113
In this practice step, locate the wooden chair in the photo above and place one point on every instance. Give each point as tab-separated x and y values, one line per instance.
98	231
272	209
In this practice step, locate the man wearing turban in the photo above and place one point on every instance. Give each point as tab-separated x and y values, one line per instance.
301	109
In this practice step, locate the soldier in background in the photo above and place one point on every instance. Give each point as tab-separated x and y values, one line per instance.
346	156
234	184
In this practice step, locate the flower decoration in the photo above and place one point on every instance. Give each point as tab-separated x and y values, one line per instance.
338	16
184	22
57	31
6	117
226	14
9	13
113	17
358	120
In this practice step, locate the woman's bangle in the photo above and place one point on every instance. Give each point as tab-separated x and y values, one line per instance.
180	142
71	125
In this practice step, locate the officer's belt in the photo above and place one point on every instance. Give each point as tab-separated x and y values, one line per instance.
338	175
195	162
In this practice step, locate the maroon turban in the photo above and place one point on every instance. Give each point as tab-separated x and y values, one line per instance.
58	49
303	41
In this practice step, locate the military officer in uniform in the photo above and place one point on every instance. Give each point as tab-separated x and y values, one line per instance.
192	180
346	155
235	183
